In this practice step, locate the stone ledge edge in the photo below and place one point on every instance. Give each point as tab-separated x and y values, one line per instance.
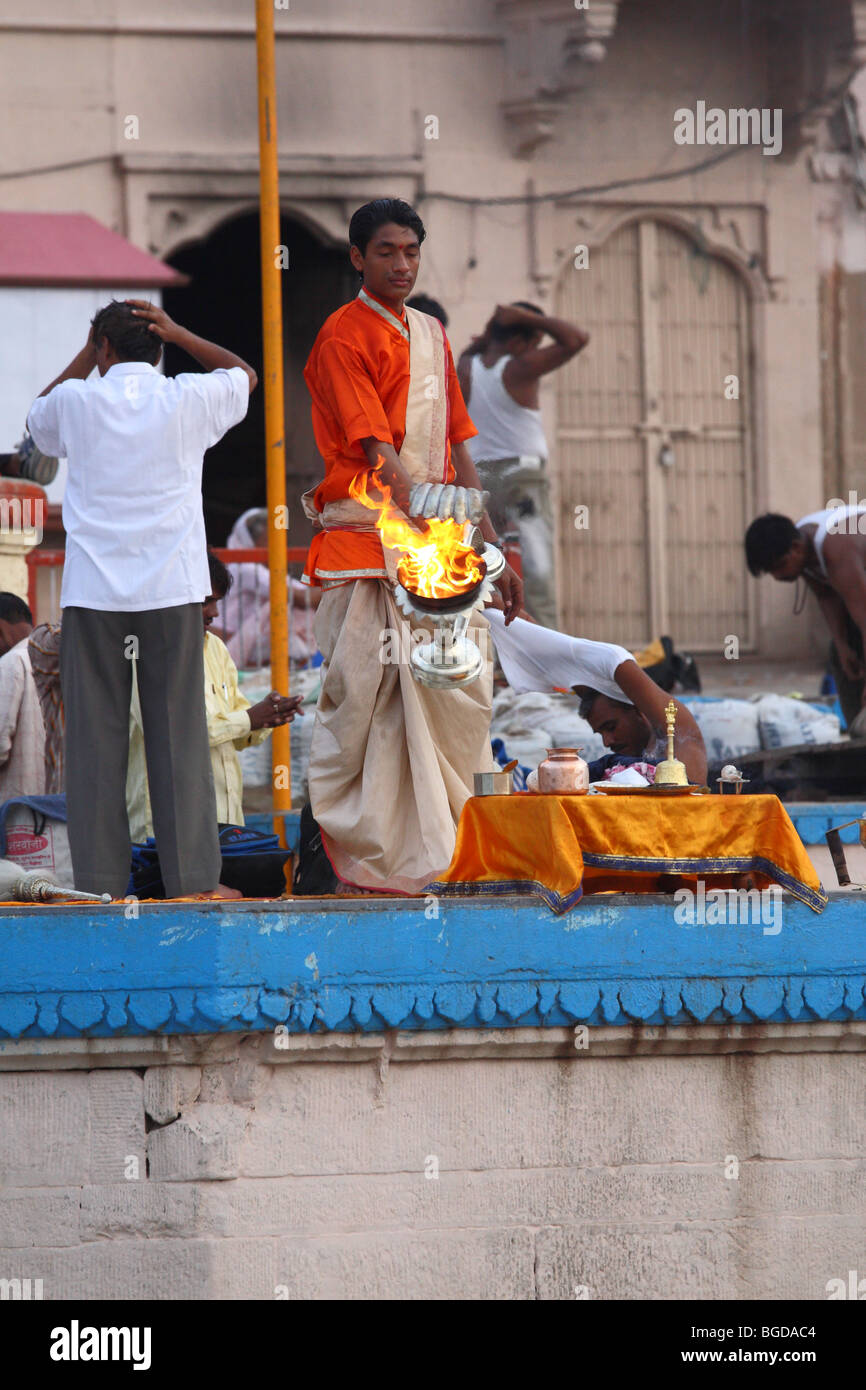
213	1049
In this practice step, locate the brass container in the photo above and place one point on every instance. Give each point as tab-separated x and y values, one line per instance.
564	773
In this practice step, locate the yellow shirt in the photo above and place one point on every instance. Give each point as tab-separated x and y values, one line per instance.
228	727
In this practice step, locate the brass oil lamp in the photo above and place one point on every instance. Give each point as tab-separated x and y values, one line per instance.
450	659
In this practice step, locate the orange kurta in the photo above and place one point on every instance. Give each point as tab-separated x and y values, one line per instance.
358	377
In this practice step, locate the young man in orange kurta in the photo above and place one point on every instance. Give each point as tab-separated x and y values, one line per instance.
391	762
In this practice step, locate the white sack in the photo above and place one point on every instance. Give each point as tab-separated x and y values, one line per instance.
784	723
570	731
39	843
730	728
529	746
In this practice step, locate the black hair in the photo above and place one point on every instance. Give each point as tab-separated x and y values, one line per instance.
14	610
428	305
768	540
368	219
221	580
501	332
588	698
129	336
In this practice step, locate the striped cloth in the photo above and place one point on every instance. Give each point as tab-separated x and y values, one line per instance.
44	648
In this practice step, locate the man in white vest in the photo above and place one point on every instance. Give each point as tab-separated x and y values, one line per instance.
499	373
827	549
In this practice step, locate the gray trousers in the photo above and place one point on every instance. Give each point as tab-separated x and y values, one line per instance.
520	502
850	692
96	652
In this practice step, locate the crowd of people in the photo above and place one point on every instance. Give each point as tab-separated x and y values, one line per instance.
112	717
131	707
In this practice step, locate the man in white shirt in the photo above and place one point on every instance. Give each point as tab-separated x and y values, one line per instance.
135	576
22	735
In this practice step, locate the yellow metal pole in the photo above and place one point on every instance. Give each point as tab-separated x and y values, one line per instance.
275	446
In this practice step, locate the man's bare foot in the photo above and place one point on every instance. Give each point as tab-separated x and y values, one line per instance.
350	890
221	891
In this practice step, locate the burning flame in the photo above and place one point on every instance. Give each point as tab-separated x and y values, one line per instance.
436	561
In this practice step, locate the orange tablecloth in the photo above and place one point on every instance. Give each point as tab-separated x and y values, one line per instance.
563	846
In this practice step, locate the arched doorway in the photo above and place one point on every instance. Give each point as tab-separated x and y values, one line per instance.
654	438
222	302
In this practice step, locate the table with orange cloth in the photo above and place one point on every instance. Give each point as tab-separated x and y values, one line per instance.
560	847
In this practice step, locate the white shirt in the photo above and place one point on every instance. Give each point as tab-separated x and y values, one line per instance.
539	658
22	733
135	441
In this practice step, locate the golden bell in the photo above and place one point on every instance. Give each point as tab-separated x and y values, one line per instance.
671	772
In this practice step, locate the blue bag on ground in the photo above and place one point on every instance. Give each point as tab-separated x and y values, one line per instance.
251	862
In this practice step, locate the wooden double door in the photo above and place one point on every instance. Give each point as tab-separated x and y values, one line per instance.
654	439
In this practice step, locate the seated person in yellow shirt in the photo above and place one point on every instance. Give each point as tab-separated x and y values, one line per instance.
232	723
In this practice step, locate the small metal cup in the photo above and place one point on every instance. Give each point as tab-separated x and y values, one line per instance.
493	783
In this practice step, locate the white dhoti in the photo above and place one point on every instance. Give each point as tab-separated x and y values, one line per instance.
391	761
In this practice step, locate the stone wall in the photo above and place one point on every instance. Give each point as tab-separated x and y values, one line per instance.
697	1162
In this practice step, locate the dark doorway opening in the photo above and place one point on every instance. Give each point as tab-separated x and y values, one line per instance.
222	302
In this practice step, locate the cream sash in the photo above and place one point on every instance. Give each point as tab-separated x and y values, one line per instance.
423	453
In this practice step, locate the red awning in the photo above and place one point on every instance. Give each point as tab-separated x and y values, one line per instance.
49	249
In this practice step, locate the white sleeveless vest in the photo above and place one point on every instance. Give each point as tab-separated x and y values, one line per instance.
505	429
827	521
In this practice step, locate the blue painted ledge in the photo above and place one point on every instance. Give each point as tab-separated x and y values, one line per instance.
812	818
313	966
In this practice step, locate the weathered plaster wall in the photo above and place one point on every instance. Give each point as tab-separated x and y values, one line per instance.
245	1100
301	1171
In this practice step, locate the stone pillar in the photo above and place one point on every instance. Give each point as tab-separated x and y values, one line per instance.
22	513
